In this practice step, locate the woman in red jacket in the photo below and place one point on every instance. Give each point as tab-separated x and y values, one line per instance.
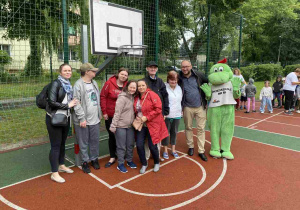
148	107
108	97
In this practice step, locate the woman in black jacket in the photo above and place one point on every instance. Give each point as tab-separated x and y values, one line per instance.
60	97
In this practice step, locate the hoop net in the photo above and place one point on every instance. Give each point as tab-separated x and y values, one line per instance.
133	57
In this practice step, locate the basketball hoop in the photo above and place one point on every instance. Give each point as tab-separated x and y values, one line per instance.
133	57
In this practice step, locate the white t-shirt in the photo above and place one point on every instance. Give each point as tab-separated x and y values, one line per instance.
240	76
175	98
221	95
291	77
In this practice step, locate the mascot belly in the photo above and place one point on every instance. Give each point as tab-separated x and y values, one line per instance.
221	92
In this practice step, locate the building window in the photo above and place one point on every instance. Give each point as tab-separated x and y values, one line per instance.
72	54
6	48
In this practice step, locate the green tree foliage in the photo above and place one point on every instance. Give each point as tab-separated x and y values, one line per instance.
270	25
40	22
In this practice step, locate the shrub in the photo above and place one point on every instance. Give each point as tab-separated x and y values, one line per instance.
290	68
8	78
261	72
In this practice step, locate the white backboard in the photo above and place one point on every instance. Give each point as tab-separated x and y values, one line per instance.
114	25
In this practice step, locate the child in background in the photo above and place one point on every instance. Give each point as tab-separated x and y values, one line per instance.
243	97
250	94
266	97
277	89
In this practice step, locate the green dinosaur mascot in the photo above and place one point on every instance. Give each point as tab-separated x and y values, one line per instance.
221	92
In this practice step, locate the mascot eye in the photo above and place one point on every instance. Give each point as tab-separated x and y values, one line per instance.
215	69
221	68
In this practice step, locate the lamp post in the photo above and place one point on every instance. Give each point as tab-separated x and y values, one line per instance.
279	49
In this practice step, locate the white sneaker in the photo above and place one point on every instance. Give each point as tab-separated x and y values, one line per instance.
143	169
156	167
298	111
58	180
262	112
271	112
66	170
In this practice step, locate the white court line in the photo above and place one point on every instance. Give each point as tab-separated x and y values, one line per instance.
270	121
265	132
148	171
10	204
264	119
100	180
205	192
175	193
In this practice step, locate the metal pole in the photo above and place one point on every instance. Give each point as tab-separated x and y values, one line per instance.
84	44
156	30
65	32
279	49
208	41
240	42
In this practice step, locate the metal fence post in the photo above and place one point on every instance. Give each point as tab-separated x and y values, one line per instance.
156	30
240	41
65	32
208	41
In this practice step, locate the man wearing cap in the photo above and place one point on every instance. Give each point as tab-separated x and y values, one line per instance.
87	116
157	85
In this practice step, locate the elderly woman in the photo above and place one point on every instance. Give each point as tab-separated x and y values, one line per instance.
148	109
60	97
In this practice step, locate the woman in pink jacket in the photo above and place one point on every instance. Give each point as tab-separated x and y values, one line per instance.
148	107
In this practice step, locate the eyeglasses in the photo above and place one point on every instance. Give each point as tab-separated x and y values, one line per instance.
184	67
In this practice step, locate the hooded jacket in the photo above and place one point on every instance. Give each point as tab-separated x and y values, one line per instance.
109	95
124	112
151	108
250	89
277	86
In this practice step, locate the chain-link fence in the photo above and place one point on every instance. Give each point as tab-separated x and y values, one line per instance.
37	36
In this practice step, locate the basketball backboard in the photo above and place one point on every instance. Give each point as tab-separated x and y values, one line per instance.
114	25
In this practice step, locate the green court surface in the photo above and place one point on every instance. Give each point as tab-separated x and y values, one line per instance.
27	163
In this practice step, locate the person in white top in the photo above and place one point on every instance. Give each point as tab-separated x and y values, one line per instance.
289	89
173	118
266	97
237	73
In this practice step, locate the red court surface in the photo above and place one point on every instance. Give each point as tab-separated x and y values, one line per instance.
260	177
277	122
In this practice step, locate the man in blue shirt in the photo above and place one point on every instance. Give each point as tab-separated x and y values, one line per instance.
193	104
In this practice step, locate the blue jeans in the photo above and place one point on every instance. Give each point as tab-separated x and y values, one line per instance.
140	141
276	95
264	101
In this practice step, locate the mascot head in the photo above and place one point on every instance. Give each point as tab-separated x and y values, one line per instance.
220	73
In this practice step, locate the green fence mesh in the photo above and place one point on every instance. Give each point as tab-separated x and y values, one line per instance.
32	48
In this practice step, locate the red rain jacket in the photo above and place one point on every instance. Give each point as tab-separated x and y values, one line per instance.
109	95
152	109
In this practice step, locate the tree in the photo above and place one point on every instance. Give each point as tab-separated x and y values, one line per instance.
40	22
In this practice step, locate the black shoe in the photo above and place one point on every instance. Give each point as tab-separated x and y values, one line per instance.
191	152
86	168
253	110
246	112
95	164
108	164
203	157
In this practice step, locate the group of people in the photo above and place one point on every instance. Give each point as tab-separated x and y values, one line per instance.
285	90
158	106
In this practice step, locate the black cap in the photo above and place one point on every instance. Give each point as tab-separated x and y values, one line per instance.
152	63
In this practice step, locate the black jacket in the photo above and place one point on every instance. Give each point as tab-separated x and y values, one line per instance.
201	79
56	95
277	86
159	87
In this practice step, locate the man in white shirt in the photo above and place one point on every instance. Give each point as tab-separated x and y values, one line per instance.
289	87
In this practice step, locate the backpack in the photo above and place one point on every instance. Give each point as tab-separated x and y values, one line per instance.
41	98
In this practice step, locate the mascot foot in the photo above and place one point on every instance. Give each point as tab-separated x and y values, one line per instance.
215	153
228	155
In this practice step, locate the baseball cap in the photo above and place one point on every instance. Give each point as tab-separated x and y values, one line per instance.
152	63
87	67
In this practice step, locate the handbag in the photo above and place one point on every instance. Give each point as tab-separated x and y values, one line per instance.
137	122
60	118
